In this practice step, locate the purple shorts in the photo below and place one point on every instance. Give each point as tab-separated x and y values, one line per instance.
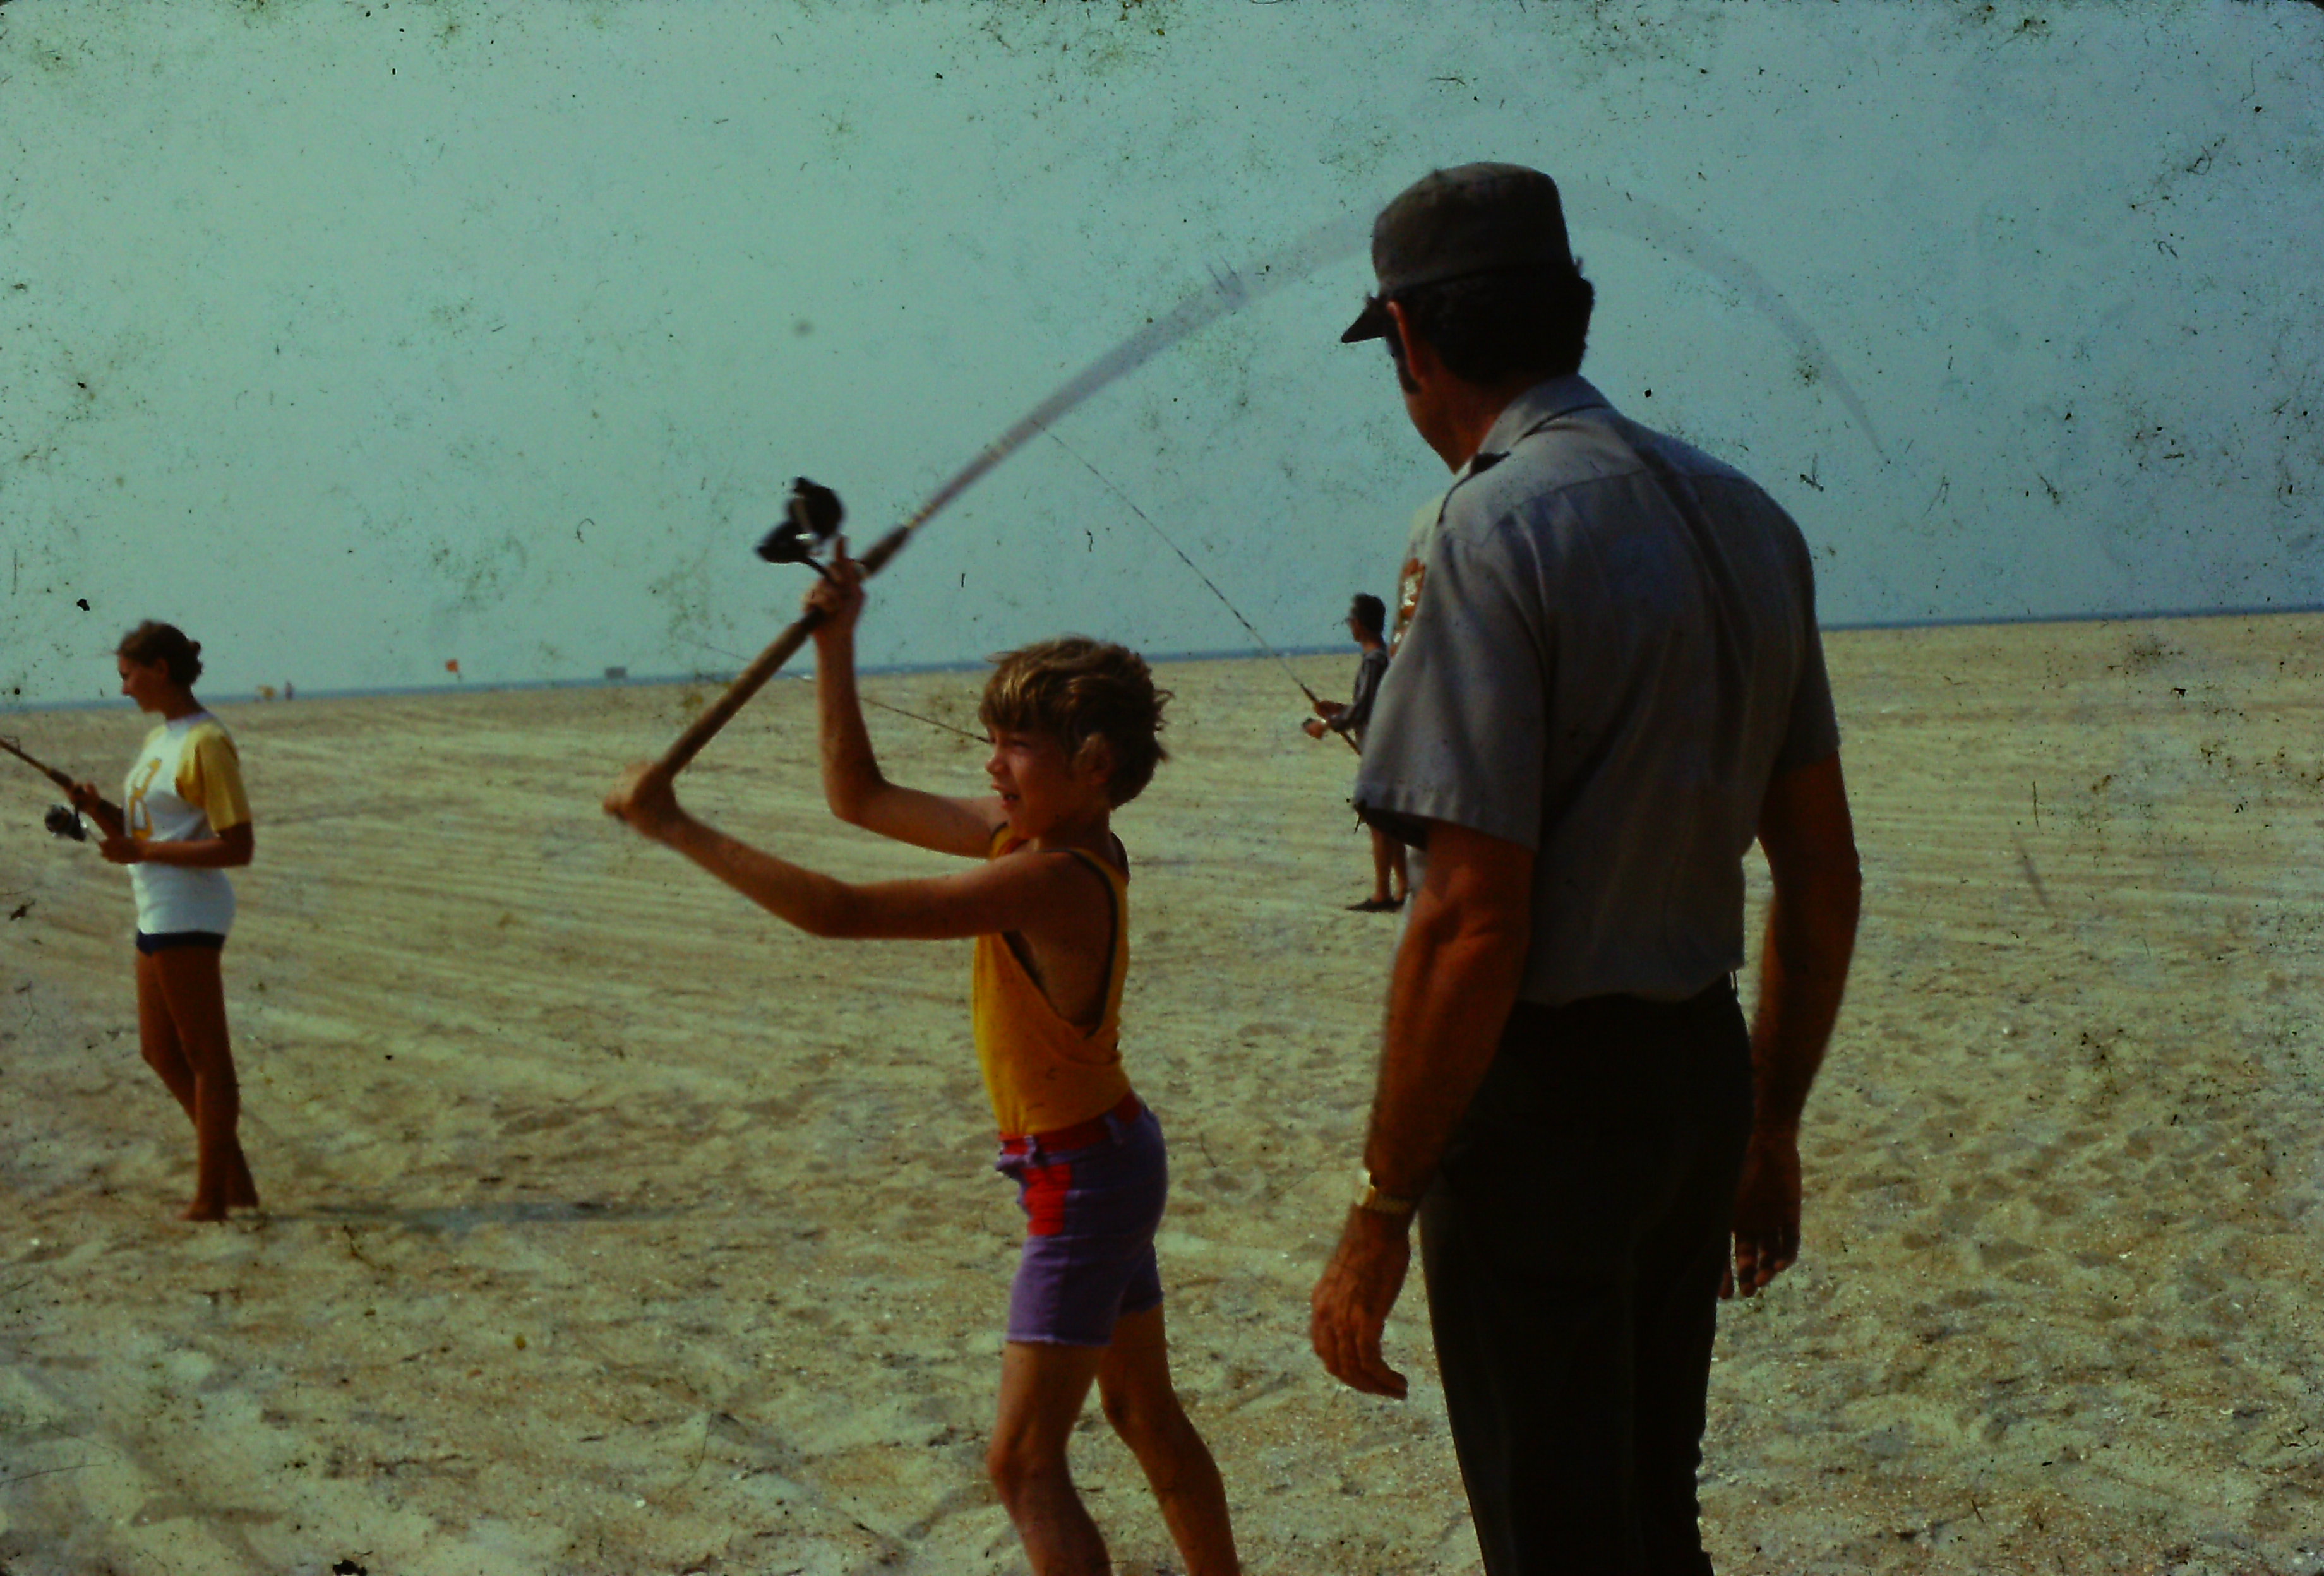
1090	1216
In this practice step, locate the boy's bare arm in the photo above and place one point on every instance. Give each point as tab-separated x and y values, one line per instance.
853	784
1049	895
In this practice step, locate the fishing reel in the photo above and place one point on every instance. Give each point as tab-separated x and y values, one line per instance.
813	513
62	821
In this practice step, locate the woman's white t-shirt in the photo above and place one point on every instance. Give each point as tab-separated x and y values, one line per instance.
186	786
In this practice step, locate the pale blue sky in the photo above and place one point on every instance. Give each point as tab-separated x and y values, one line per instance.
359	339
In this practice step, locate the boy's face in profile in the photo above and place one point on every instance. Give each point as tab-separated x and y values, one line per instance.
1044	788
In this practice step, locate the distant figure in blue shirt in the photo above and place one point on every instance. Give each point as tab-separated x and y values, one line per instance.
1368	623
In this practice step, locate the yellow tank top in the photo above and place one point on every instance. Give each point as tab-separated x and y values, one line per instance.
1042	1072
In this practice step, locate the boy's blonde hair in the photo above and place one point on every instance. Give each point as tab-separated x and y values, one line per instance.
1077	688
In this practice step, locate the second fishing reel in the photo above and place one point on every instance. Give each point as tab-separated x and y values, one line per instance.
813	517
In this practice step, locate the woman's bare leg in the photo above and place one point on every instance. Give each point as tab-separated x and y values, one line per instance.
196	999
1388	861
1042	1388
1133	1382
157	1037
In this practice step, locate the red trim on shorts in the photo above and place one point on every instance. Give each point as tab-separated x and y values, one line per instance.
1046	1189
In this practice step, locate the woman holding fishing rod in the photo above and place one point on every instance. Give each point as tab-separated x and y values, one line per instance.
182	823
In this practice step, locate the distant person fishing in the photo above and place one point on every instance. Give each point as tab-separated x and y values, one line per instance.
1368	623
183	822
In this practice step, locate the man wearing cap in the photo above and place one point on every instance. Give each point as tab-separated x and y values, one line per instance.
1612	683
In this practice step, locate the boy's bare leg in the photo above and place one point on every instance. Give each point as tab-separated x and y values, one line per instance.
1134	1384
157	1037
196	999
1042	1388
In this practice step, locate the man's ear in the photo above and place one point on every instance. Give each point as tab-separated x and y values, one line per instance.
1421	361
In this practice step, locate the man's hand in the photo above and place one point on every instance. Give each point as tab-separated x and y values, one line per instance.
1448	996
85	796
840	598
1818	886
1767	1213
647	799
1328	709
122	850
1351	1303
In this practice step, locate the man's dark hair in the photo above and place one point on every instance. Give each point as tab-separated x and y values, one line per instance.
1489	327
1369	613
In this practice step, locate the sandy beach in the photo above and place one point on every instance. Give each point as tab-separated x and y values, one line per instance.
614	1227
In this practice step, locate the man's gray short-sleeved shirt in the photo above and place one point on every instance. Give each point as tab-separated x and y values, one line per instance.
1615	649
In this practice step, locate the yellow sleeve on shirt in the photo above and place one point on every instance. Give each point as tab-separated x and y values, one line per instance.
210	774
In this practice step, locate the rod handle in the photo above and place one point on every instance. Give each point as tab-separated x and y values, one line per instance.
767	664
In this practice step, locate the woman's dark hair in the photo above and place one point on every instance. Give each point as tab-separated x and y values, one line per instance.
153	642
1370	611
1489	327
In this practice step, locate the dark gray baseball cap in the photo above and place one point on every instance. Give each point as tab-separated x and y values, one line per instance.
1473	218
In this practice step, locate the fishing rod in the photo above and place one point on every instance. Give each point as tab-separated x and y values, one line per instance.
867	700
15	748
62	820
1230	291
1213	586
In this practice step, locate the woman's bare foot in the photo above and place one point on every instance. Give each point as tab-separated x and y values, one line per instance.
211	1202
241	1192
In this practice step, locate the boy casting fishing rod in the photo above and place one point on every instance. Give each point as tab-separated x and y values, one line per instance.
1074	725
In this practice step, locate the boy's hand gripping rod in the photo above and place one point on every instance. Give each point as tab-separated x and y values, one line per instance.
1230	292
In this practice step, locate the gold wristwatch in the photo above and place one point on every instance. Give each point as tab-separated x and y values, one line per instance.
1373	1200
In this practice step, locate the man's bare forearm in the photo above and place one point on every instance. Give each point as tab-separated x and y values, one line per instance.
1454	982
1803	976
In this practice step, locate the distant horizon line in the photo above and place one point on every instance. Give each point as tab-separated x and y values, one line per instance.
459	686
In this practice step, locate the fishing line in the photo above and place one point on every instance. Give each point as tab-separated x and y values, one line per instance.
931	722
1190	563
867	700
1230	291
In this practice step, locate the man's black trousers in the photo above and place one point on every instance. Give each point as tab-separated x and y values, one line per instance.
1573	1245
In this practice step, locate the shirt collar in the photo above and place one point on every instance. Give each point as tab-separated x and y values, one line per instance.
1542	403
